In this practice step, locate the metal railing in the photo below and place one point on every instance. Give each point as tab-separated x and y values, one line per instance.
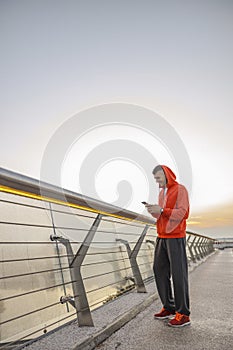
63	255
223	243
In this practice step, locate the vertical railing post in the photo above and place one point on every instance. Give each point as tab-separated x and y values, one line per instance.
201	248
187	245
75	262
210	246
80	297
191	246
195	247
205	247
132	254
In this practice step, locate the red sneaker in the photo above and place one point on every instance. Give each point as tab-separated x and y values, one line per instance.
163	314
179	321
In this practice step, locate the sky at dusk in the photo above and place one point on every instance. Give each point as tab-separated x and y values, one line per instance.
169	63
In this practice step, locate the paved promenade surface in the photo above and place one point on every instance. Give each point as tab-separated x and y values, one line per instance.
211	292
211	289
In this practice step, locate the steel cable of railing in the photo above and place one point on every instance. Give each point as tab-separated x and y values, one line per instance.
30	313
57	303
9	345
33	273
68	228
32	259
108	285
55	257
72	214
68	213
66	283
63	268
35	291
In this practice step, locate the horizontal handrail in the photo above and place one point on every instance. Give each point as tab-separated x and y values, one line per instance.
200	235
28	187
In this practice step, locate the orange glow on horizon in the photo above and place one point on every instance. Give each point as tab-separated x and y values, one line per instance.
215	217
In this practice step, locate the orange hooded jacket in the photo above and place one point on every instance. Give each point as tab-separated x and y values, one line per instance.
172	222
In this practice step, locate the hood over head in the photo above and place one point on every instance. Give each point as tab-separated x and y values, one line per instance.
171	177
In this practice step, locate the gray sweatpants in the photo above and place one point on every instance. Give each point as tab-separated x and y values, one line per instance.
170	260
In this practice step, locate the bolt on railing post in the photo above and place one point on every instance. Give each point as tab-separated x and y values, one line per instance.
132	254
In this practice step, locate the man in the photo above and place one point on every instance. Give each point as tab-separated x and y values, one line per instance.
170	254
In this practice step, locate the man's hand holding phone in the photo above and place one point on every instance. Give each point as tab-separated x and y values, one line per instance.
152	208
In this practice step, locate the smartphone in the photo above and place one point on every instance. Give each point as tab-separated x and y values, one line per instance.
144	203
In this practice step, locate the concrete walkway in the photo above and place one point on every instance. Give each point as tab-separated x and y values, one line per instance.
131	317
211	292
